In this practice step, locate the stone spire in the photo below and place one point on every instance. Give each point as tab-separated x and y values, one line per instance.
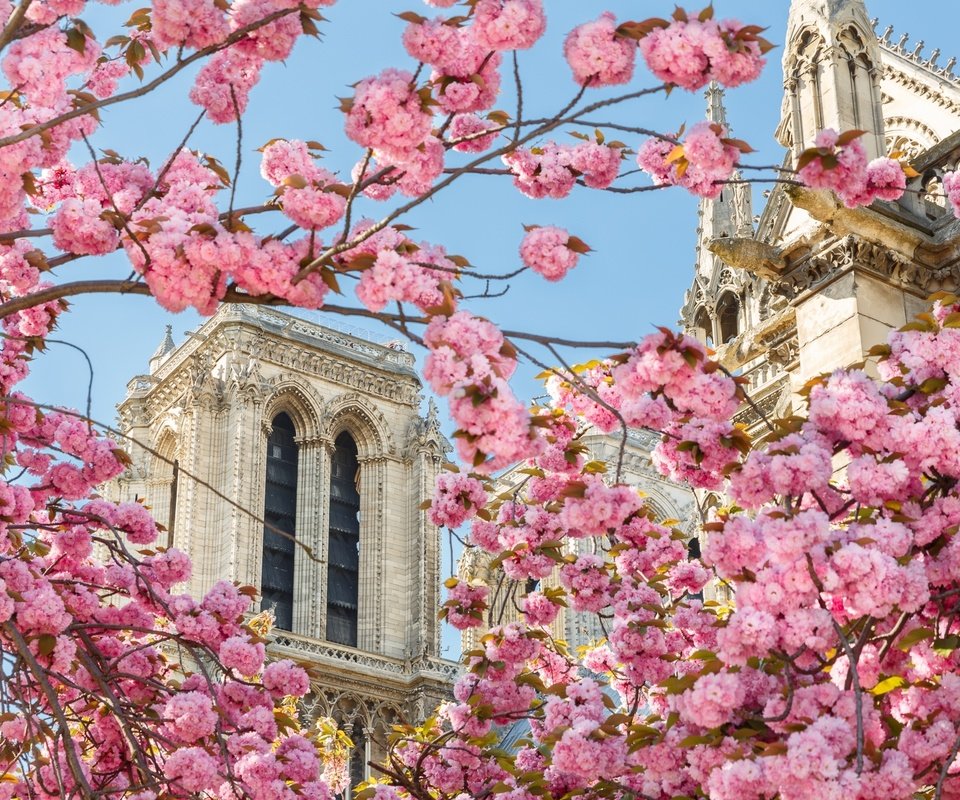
728	216
166	347
716	111
731	213
831	68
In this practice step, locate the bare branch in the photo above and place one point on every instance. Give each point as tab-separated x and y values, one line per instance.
89	108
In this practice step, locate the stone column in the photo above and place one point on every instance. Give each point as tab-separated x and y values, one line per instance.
425	633
325	454
309	572
373	565
252	451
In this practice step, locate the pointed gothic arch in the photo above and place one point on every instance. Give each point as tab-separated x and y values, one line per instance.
343	543
728	317
297	402
703	326
359	442
164	475
366	424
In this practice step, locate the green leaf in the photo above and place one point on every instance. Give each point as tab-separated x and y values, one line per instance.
848	136
76	40
910	638
945	647
46	644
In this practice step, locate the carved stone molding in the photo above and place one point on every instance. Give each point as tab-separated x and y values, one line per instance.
839	256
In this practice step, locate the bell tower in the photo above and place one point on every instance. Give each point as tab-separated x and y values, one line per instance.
831	69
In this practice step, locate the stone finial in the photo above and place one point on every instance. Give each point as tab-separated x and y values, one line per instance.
166	347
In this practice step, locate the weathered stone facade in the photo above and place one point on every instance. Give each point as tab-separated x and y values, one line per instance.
204	413
808	285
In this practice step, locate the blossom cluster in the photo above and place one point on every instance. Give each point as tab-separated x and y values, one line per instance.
702	163
469	363
551	169
308	192
100	629
690	52
838	161
550	251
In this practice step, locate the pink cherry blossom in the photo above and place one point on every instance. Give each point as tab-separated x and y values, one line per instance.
598	55
508	24
387	114
547	251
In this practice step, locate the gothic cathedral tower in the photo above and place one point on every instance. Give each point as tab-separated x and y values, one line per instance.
810	285
292	457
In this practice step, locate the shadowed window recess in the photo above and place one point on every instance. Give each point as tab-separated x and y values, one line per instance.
280	514
343	556
728	312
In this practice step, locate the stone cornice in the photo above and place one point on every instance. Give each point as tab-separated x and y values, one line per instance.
287	327
173	384
930	93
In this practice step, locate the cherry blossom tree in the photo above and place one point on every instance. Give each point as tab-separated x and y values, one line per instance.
833	672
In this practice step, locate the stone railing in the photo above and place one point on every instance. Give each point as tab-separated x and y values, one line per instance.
343	335
348	338
913	52
305	648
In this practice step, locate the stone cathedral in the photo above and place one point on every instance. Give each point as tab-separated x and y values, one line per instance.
293	457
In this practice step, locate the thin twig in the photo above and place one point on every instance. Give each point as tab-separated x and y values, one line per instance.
146	88
236	171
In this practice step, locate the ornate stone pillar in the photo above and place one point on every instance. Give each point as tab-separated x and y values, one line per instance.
373	566
252	451
325	454
309	565
425	635
793	88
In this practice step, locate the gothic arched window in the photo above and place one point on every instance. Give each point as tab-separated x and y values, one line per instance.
280	514
358	758
703	326
693	553
343	553
728	312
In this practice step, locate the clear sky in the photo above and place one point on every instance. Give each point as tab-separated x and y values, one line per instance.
643	243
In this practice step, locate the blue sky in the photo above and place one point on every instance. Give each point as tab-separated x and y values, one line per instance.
643	244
